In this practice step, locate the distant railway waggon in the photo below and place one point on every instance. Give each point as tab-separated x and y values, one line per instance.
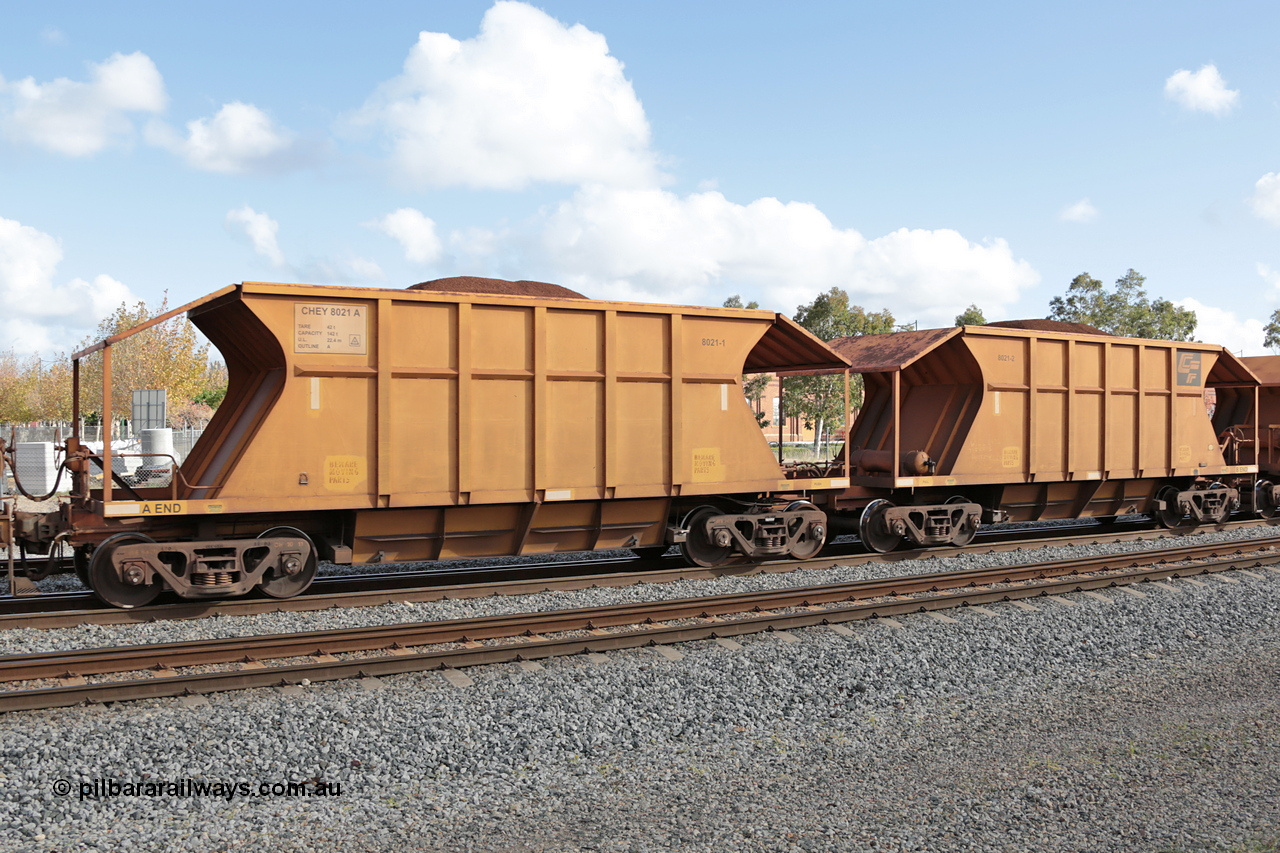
1266	427
1033	420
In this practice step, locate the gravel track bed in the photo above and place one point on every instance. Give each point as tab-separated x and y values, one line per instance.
1138	724
89	636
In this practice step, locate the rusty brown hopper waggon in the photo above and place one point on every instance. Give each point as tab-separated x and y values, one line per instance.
979	424
1267	425
367	425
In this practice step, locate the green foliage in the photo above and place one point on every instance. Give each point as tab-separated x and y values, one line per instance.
167	355
215	386
211	397
754	387
1272	341
754	384
34	390
819	400
971	316
830	316
1124	311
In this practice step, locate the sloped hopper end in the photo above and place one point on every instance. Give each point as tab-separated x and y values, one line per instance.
790	349
1229	390
256	375
940	392
889	352
475	284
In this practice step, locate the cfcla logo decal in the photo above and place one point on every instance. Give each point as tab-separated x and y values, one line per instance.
1188	368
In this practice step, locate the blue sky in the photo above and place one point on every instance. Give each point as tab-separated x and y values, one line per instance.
922	156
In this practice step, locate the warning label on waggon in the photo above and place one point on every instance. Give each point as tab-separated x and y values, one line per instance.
343	473
330	327
707	465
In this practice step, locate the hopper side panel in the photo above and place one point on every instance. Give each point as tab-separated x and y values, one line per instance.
423	435
422	406
644	435
318	441
500	424
720	441
1086	429
1194	439
997	443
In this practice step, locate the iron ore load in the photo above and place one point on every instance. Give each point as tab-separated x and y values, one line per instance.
459	418
1034	420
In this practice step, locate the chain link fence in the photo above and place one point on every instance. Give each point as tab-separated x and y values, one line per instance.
38	451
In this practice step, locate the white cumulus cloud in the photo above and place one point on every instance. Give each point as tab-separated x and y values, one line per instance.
652	244
38	315
1243	336
81	118
343	270
1270	276
1081	211
261	230
1266	197
527	100
239	138
1201	91
263	233
414	231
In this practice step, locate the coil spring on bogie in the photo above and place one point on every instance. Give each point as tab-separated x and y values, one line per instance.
211	579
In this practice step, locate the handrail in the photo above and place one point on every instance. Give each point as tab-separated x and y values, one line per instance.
175	470
168	315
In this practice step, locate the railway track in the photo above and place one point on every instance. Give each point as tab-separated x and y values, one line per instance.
63	609
59	679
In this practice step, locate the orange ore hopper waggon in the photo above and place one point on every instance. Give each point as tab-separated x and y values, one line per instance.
460	418
1036	420
1267	457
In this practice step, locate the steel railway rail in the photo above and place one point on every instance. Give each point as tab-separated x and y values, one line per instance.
63	609
391	649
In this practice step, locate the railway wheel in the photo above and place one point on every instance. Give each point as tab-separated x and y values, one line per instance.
1264	499
108	586
697	546
1171	517
814	536
874	531
277	581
